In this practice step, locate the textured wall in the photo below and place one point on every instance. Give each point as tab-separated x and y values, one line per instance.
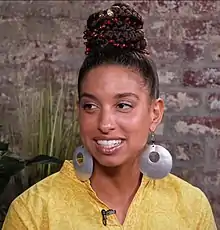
42	38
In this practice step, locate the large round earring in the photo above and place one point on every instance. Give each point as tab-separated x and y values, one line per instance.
83	163
156	161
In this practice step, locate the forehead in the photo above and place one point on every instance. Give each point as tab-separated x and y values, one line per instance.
113	79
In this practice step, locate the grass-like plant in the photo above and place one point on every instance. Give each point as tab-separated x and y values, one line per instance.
48	124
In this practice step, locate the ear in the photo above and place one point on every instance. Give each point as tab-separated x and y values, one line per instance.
157	111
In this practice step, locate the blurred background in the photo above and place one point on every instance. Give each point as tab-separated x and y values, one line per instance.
41	50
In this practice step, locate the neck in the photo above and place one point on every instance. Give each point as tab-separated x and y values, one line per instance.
122	181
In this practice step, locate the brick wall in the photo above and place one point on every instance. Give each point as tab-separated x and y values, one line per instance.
41	38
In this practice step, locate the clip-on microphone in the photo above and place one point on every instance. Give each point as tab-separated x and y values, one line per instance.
105	214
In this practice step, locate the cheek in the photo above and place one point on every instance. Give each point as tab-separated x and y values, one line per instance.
85	129
85	123
136	129
134	122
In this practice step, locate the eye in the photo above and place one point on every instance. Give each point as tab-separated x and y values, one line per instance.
89	106
124	106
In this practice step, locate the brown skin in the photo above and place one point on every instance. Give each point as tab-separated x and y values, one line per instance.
115	104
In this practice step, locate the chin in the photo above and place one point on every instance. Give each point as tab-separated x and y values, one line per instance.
110	162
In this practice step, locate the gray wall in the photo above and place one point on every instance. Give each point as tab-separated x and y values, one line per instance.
39	39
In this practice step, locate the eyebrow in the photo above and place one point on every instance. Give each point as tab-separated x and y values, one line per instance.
88	95
122	95
117	96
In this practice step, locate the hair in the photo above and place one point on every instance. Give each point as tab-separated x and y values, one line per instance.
116	36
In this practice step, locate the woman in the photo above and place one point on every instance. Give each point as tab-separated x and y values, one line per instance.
111	183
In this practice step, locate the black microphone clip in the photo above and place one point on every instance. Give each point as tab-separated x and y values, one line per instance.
105	214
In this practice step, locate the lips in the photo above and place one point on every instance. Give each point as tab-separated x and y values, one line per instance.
109	143
109	146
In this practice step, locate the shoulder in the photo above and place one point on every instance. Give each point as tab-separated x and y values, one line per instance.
179	184
196	201
182	202
189	200
175	192
182	188
31	208
52	186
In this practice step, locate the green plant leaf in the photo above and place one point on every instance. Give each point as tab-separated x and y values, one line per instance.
43	159
47	123
3	146
10	166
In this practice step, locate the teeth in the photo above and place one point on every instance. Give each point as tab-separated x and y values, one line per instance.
109	143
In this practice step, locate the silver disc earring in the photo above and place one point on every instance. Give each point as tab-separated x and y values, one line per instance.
156	161
83	163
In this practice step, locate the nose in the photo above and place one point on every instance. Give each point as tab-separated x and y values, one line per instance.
106	122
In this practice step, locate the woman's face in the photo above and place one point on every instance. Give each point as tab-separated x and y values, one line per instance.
116	114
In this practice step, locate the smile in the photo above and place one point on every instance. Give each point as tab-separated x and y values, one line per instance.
109	147
109	143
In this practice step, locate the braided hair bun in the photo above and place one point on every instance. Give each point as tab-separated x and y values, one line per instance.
119	27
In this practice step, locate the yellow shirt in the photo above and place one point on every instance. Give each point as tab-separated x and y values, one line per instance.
62	202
